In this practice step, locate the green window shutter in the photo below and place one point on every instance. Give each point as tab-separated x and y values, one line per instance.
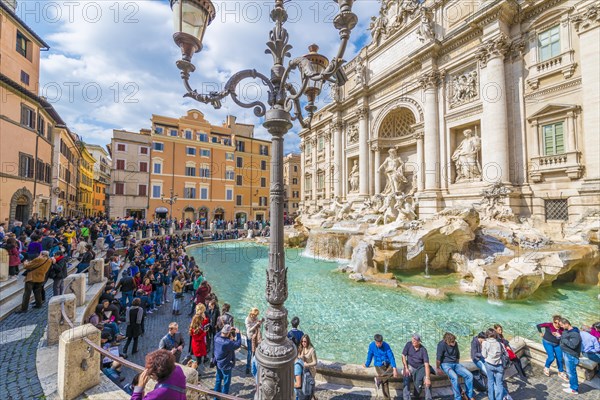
548	140
559	141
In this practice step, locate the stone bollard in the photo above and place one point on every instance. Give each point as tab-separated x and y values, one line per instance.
76	284
78	365
148	233
138	235
100	243
96	271
162	231
171	230
56	325
3	264
191	377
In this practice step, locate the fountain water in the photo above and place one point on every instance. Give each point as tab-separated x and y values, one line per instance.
427	266
493	293
385	265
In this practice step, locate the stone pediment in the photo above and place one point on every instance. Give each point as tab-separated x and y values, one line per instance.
552	109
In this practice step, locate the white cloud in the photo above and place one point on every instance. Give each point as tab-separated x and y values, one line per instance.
112	64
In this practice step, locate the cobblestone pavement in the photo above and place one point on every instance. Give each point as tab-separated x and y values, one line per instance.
18	374
538	387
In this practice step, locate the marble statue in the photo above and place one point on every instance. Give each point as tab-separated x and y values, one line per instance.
466	159
394	170
332	210
390	213
354	177
405	9
494	203
406	206
344	211
425	31
359	72
378	26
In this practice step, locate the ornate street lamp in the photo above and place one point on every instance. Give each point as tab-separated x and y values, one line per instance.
170	201
276	354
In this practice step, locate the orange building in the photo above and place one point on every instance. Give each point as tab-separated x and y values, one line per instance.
197	163
27	122
292	172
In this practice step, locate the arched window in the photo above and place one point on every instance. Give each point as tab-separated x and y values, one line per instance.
397	123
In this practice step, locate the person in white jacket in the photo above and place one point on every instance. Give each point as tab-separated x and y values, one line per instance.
491	350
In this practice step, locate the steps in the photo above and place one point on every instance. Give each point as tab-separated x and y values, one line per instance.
11	291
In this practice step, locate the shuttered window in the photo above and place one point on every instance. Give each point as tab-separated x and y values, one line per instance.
554	142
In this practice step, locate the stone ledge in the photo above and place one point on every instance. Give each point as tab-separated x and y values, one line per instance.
585	370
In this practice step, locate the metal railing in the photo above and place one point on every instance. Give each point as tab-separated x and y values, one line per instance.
128	364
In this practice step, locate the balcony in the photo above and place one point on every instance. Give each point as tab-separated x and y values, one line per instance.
563	63
568	163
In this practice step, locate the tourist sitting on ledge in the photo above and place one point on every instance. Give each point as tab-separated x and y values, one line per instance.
160	366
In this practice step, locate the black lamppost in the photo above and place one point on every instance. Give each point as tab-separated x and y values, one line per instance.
170	201
276	354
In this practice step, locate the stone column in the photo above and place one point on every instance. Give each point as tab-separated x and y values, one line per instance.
338	126
571	143
431	167
78	367
96	271
3	264
587	26
76	284
148	233
100	243
377	163
138	235
314	143
328	162
494	125
162	231
363	148
56	325
420	162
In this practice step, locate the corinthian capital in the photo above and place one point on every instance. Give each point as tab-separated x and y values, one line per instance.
430	80
492	48
588	19
338	125
362	112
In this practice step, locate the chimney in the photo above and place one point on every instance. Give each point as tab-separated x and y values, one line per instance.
230	121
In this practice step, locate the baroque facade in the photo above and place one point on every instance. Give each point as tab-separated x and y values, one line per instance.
452	97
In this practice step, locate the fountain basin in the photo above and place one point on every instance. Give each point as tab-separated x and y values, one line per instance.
336	311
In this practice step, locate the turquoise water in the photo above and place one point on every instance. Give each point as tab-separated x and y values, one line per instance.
341	316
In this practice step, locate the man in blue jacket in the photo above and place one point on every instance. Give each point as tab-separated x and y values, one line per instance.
385	364
225	346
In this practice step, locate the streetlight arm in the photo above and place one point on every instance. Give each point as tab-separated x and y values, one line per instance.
214	98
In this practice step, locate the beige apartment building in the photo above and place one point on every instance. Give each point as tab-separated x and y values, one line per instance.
129	173
292	173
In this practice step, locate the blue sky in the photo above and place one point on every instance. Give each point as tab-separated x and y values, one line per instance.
111	64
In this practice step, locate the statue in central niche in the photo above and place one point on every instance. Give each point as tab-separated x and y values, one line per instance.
393	166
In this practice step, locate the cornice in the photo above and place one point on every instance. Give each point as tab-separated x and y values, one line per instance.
556	88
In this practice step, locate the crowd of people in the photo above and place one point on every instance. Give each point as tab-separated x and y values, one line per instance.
491	352
157	271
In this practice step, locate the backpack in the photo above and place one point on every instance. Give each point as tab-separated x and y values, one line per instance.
308	385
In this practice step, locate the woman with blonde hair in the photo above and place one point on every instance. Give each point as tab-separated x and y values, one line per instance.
308	354
198	337
253	335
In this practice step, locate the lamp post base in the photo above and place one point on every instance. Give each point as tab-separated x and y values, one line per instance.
275	360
